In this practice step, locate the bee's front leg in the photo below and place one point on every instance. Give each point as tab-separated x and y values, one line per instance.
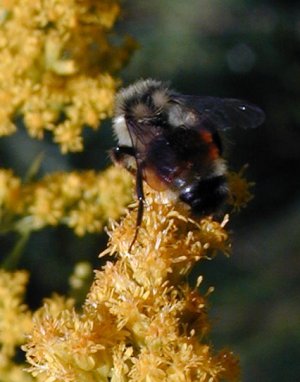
120	153
126	156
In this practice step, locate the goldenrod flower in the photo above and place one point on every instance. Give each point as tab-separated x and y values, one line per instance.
14	316
84	201
141	321
15	321
9	190
80	280
12	372
240	194
57	66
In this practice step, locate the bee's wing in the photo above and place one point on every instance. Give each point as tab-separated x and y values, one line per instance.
223	113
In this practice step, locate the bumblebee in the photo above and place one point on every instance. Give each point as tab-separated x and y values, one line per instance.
172	142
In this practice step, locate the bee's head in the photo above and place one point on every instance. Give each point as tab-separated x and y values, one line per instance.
143	100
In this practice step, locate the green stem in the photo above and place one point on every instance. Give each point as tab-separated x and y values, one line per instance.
34	168
12	260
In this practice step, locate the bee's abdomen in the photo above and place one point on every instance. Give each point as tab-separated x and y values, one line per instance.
205	196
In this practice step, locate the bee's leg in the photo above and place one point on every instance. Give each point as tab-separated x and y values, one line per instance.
140	195
141	199
119	153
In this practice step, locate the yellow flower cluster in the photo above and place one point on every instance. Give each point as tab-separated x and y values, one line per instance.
9	190
240	194
15	321
84	201
57	66
141	321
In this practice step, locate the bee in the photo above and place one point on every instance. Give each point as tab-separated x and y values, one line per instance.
172	142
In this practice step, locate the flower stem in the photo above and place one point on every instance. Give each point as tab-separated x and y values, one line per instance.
12	260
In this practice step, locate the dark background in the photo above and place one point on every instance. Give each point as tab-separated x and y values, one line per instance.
233	48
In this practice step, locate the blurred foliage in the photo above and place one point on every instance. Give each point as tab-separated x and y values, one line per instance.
234	48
